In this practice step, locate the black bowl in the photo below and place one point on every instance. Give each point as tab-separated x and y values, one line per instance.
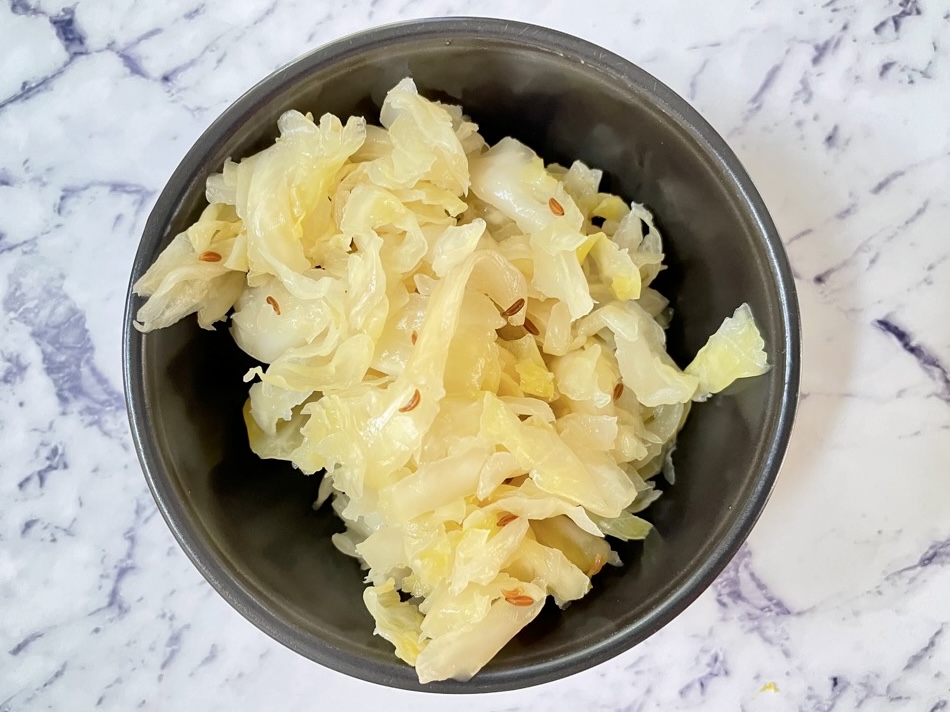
248	525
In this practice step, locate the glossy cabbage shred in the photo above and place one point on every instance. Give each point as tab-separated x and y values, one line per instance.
464	341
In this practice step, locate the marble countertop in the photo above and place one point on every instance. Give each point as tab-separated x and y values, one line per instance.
840	112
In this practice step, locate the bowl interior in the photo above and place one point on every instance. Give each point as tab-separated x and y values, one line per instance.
248	524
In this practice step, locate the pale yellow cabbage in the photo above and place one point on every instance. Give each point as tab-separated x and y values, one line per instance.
736	350
464	341
398	622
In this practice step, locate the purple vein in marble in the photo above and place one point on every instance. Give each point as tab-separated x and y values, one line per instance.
926	359
12	368
37	299
875	242
742	594
24	644
924	653
906	9
758	99
55	457
74	41
59	672
937	555
115	601
887	180
173	644
715	668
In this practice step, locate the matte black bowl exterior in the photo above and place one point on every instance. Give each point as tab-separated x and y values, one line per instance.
247	524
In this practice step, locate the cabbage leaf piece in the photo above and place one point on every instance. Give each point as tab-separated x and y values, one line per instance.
735	351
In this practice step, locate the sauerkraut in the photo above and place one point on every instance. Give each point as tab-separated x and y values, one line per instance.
465	342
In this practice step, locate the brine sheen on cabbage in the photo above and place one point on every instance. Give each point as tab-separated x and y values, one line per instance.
465	342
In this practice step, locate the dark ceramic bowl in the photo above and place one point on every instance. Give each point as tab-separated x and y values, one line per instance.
247	524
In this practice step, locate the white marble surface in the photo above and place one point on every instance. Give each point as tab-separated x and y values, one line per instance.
841	114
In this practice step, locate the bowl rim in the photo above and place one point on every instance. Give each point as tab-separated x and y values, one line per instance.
616	69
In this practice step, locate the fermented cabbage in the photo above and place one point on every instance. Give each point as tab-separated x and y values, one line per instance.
464	341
